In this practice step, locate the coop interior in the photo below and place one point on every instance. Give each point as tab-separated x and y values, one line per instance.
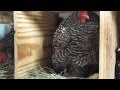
26	39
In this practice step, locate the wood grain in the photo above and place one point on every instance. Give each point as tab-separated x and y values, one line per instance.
108	44
33	39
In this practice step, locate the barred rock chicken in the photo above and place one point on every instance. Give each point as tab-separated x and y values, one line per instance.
117	66
76	45
7	56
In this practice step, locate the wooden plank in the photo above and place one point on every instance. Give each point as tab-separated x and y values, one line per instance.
32	39
108	44
6	16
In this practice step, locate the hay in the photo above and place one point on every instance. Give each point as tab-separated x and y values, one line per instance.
45	73
41	73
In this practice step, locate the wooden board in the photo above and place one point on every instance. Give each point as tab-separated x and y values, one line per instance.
6	16
108	44
33	38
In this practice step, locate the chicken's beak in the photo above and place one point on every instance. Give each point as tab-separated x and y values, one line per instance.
86	16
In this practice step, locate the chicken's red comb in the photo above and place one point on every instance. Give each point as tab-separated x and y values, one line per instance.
2	56
83	12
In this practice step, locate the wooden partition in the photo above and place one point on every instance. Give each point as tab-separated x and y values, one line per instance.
33	37
108	44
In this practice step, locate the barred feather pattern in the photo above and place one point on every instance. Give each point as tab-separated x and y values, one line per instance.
76	46
7	65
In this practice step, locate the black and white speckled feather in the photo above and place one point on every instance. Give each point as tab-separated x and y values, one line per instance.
76	45
7	65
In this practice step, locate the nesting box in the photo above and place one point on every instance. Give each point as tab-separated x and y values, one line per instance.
33	38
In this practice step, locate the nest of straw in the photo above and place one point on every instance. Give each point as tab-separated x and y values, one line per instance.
47	73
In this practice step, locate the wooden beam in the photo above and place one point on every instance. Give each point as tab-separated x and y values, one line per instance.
108	44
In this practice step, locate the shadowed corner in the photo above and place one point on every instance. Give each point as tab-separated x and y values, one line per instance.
117	66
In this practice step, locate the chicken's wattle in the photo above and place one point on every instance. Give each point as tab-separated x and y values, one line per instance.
83	19
2	56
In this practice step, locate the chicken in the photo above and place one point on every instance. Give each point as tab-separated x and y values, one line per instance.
76	45
117	65
7	55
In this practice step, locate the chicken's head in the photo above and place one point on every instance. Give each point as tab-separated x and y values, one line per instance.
83	16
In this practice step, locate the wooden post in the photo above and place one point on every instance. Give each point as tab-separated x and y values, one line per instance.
108	44
33	37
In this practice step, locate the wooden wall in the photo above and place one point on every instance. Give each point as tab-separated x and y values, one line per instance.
6	16
108	44
33	39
